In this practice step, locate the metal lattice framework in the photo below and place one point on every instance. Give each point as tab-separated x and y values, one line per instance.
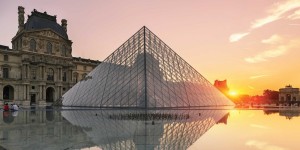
144	73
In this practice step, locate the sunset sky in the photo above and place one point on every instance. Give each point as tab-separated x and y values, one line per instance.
254	44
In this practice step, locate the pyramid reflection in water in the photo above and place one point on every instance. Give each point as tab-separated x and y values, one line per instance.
140	129
144	73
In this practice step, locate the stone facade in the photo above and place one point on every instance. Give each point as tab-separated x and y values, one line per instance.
289	96
40	67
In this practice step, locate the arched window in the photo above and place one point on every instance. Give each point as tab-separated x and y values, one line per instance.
49	48
50	75
64	51
32	45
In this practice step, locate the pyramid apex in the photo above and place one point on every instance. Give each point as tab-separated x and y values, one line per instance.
145	28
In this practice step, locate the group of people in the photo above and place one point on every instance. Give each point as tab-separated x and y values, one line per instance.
13	107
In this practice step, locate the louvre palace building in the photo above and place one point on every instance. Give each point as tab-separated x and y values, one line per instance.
39	68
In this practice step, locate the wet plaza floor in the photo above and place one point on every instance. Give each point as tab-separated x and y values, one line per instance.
213	129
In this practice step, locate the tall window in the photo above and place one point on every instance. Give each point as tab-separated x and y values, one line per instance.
75	77
49	48
5	73
84	67
5	57
17	45
32	45
65	76
20	43
64	51
33	74
50	75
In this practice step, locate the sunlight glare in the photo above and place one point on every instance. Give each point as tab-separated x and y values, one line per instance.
233	93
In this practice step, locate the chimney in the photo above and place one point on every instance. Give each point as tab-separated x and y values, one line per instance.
21	18
64	24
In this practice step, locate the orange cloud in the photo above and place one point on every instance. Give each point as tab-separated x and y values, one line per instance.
237	36
267	54
277	11
295	15
274	39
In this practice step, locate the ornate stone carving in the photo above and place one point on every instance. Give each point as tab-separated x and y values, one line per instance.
25	41
21	18
41	44
49	34
56	47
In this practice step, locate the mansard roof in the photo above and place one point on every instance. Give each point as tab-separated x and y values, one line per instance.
38	20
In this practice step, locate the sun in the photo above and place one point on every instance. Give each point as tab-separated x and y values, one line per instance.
233	93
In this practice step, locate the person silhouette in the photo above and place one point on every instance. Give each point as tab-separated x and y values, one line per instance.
6	107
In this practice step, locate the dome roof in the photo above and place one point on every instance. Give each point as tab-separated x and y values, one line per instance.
38	20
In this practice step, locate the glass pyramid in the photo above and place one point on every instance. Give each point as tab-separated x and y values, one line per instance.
144	73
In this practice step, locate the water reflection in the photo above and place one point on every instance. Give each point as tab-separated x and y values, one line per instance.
287	113
107	129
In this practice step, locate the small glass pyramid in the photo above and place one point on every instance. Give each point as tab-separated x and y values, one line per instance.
144	73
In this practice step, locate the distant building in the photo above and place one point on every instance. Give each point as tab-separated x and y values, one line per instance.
289	95
40	67
222	86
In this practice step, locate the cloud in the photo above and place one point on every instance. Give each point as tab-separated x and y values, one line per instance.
295	15
267	54
237	36
274	39
258	126
258	76
263	145
261	22
276	50
276	12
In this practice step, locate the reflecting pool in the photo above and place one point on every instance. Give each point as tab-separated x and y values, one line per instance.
150	129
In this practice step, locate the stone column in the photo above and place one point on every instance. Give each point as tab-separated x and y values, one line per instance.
42	95
59	73
27	71
28	94
1	95
40	73
44	92
43	73
26	101
40	92
23	71
24	92
59	92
